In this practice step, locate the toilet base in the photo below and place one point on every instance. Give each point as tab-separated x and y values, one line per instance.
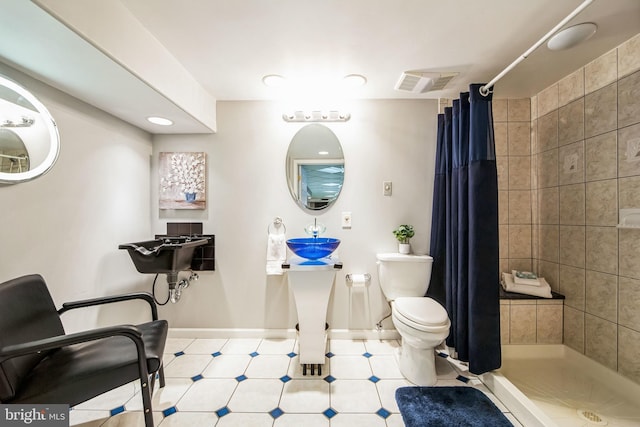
417	365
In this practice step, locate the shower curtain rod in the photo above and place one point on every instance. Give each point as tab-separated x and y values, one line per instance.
484	90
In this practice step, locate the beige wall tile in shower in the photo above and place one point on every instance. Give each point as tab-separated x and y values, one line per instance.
502	165
600	341
629	151
629	314
520	264
503	237
520	207
523	324
629	56
602	295
503	207
573	332
534	137
548	131
504	323
571	163
572	239
571	87
499	108
601	111
548	100
519	241
571	122
519	110
549	324
548	169
571	201
534	107
548	205
602	202
629	192
549	245
501	139
519	138
601	71
629	253
551	272
601	157
628	351
519	173
601	249
504	264
572	286
629	100
534	207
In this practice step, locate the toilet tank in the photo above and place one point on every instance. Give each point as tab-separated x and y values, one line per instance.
403	275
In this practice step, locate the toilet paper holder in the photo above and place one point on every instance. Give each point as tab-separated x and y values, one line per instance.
356	279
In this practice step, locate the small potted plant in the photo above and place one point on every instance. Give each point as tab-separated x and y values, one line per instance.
403	233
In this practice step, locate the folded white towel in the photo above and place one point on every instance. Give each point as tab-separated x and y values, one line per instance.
276	253
529	282
543	291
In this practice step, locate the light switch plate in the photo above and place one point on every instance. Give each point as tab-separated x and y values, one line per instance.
346	219
387	188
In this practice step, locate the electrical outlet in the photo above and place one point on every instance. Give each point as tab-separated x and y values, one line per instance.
387	187
346	219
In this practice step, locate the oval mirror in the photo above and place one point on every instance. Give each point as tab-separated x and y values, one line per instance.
29	140
315	167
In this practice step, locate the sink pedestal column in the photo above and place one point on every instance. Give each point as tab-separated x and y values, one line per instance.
311	283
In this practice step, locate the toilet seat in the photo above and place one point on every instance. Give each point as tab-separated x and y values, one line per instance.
421	313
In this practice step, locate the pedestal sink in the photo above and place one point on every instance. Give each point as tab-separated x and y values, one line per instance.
311	279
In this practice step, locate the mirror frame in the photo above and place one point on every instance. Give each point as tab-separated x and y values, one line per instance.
52	130
291	162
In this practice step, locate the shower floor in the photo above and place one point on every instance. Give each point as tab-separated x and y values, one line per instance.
569	388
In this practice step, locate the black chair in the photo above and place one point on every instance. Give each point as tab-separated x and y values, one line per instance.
41	364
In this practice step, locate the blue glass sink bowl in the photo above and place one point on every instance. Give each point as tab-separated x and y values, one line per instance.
313	247
163	256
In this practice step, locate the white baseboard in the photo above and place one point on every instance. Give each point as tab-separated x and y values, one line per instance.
353	334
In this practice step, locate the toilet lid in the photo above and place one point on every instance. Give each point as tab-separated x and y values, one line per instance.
422	310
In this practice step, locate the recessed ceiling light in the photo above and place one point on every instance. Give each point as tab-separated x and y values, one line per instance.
572	36
160	121
273	80
323	153
355	80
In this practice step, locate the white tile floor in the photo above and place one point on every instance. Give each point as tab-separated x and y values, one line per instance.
259	382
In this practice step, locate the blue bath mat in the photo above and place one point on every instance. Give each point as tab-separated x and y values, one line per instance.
448	406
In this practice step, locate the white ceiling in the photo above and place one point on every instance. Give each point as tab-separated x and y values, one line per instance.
228	46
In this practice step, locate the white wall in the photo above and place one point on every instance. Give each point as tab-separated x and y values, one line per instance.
67	224
247	189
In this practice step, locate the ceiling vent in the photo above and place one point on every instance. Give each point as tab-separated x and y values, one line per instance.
422	82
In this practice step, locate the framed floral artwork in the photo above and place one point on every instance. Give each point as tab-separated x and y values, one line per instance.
183	180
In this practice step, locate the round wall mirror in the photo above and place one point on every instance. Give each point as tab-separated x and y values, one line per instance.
315	167
29	140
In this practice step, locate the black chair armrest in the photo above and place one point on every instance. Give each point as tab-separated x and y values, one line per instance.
129	331
111	299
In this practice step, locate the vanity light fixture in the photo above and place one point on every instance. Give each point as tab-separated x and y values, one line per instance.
159	121
316	116
274	80
572	36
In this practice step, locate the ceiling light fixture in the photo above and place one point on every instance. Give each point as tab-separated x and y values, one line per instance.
274	80
355	80
572	36
159	121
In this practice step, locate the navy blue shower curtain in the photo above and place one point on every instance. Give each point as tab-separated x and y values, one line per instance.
464	232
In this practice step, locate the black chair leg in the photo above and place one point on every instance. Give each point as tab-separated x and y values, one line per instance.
146	402
161	374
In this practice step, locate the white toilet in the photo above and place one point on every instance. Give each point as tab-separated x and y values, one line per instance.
421	321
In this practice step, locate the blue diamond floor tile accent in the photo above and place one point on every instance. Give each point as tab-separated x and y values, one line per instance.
329	379
329	355
463	379
116	411
254	354
196	378
374	379
383	413
169	411
216	354
178	354
292	355
276	413
285	379
222	412
241	378
367	355
443	355
330	413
